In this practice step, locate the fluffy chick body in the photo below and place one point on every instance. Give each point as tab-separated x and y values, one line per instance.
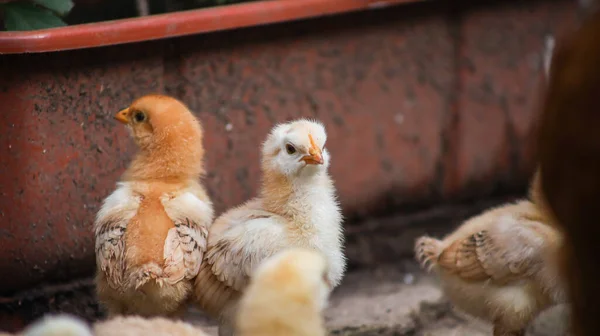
500	266
286	296
297	207
151	231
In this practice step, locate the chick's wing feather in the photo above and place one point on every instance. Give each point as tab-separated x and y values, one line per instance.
249	237
507	250
110	248
110	228
185	244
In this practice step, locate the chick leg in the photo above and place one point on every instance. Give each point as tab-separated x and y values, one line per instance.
226	329
115	309
427	251
110	299
227	319
501	331
179	314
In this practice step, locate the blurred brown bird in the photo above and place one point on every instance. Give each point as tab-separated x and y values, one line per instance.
151	232
569	156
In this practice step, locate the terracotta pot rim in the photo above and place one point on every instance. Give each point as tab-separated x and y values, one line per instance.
179	24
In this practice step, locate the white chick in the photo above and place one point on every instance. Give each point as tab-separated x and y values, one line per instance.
296	207
500	266
286	296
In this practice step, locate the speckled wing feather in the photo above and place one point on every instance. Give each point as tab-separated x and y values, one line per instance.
507	250
186	243
249	239
110	249
109	230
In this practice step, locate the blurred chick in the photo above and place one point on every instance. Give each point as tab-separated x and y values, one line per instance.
296	206
64	325
500	266
286	296
151	232
59	325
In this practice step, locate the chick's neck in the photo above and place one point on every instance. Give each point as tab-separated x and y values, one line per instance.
291	196
171	162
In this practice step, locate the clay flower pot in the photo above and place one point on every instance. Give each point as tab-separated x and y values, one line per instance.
178	24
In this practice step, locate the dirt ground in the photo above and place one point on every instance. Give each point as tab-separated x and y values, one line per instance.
394	298
400	300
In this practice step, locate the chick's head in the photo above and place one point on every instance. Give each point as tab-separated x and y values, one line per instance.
297	274
169	137
297	147
157	121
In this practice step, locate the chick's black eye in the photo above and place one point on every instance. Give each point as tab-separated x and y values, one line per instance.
139	116
290	149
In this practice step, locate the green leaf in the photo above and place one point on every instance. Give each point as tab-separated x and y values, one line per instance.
25	16
61	7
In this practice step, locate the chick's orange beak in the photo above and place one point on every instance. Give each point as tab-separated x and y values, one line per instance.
122	116
314	156
314	153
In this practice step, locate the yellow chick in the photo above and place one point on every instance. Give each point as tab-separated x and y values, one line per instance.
64	325
151	232
296	207
286	296
500	266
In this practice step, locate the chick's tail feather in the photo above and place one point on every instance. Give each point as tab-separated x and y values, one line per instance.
212	295
141	275
427	252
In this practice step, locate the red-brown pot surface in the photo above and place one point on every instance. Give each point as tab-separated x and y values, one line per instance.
420	104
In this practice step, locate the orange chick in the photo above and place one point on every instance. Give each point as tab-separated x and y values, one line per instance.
297	207
151	232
